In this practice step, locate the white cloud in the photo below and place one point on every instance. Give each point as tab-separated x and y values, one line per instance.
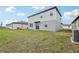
70	15
38	7
20	14
10	9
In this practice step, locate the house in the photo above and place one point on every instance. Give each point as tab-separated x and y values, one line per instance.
66	26
75	23
49	20
75	30
17	25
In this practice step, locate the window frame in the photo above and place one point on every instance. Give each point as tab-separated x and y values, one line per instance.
51	14
45	25
41	16
31	25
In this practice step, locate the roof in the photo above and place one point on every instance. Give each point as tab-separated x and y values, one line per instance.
75	19
45	11
18	23
66	24
7	24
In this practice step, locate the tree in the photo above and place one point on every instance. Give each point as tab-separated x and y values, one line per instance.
1	24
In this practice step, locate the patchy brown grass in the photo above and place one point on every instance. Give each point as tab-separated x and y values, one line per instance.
36	41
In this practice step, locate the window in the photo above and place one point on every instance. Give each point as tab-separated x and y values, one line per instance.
31	25
41	16
51	14
46	25
61	23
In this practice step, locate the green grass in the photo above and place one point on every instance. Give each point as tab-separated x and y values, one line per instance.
36	41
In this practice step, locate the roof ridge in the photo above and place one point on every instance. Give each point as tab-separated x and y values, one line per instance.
45	11
75	19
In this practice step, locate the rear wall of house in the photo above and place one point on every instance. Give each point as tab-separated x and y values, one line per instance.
21	26
9	26
46	18
51	26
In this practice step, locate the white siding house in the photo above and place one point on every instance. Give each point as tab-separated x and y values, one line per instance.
49	20
75	31
17	25
66	26
75	23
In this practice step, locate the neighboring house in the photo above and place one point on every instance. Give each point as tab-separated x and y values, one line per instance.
75	30
66	26
49	20
75	23
17	25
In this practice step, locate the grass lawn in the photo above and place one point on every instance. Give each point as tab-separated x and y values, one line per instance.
36	41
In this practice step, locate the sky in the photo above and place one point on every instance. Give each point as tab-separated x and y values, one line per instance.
10	14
